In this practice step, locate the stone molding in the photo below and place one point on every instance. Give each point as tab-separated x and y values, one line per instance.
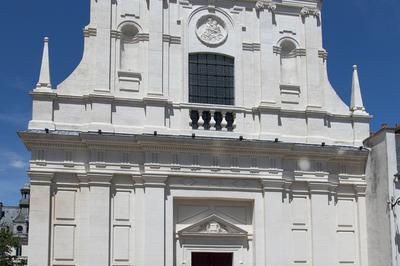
251	47
139	37
89	32
171	39
297	52
323	54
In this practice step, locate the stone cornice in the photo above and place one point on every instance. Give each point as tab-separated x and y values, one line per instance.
171	143
159	99
43	95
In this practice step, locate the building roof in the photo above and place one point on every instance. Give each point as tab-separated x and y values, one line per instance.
10	213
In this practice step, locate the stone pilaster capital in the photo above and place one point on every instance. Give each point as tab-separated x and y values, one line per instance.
99	179
83	178
154	180
307	11
360	189
269	184
138	181
41	178
266	5
321	187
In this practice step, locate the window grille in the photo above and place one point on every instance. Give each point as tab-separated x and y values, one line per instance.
211	79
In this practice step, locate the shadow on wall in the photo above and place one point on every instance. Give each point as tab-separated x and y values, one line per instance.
397	241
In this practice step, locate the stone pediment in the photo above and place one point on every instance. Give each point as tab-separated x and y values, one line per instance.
213	226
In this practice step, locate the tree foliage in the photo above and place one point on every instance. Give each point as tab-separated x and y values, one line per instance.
7	243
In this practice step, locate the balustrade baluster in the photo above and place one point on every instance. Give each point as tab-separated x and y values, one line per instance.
224	123
200	123
212	120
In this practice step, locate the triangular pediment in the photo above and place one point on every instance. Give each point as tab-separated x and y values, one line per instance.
213	226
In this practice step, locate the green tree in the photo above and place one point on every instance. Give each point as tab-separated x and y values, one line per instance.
7	243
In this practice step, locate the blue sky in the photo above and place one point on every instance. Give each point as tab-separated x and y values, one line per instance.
362	32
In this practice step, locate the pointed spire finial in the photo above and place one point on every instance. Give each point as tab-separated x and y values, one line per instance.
44	78
357	104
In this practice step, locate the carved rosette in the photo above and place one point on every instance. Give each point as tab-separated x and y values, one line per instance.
306	11
266	4
211	30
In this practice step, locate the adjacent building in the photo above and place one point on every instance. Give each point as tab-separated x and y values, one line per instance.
16	220
383	197
198	133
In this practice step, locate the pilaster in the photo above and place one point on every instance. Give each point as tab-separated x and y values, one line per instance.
154	219
313	37
323	224
156	59
40	218
139	221
269	85
101	20
99	218
276	222
83	236
361	190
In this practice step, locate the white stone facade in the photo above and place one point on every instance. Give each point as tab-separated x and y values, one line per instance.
121	174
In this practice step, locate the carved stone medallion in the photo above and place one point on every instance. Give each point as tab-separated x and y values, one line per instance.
211	30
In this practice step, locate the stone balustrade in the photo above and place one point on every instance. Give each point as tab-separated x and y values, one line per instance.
212	120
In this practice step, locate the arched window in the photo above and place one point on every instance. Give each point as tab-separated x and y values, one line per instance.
211	79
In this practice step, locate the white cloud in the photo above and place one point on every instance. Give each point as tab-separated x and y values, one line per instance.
17	164
12	160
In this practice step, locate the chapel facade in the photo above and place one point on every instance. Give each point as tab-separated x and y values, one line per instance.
198	132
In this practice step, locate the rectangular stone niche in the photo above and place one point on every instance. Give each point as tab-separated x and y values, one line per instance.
129	81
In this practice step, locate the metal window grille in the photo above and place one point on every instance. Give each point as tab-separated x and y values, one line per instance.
211	79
